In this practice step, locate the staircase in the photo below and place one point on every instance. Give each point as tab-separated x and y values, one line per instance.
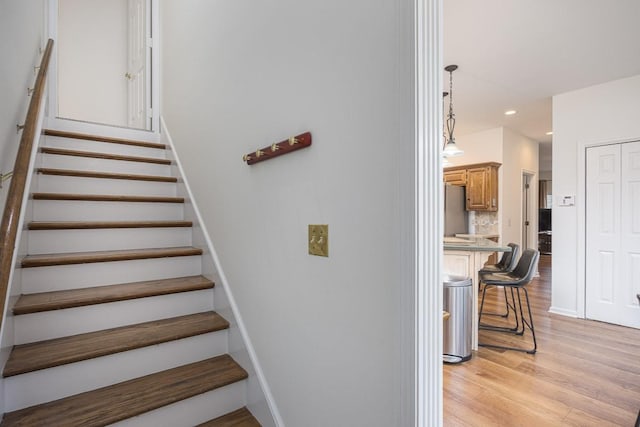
115	322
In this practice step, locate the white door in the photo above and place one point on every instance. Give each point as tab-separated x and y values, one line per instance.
613	234
137	65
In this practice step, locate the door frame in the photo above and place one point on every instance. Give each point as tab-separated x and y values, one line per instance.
581	210
532	211
581	207
153	76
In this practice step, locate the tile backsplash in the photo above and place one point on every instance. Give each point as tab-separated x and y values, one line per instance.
483	223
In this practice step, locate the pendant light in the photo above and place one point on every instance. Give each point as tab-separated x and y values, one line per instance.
445	162
450	148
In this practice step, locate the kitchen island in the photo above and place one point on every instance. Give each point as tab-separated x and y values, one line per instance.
466	257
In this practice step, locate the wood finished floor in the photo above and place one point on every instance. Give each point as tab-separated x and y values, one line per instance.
585	373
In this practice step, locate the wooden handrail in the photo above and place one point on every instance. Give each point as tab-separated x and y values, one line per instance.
13	206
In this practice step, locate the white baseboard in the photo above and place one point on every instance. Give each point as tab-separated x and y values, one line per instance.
563	312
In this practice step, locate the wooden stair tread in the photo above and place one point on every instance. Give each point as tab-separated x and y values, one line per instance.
238	418
82	225
108	156
58	300
106	175
106	256
106	198
76	135
61	351
125	400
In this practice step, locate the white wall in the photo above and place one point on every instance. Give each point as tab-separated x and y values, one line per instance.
92	60
241	75
479	147
520	155
603	113
21	37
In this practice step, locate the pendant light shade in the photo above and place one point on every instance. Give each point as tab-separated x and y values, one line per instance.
451	149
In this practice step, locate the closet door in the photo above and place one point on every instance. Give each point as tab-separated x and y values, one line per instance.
613	234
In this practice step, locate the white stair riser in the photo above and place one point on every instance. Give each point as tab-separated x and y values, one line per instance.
77	210
37	387
76	276
80	185
193	411
102	147
63	241
59	323
55	161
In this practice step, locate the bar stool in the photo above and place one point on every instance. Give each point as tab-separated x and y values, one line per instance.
507	261
506	264
517	280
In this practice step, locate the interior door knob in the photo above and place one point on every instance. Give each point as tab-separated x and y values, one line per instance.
127	75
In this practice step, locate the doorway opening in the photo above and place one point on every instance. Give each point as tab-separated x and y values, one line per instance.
528	214
104	64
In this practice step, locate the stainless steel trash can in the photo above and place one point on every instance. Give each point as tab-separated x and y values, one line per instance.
457	300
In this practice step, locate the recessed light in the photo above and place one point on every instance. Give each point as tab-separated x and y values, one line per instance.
510	112
549	133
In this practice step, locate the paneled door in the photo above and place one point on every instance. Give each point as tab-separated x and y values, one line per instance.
613	234
137	65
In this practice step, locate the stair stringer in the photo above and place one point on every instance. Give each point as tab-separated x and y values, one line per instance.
259	398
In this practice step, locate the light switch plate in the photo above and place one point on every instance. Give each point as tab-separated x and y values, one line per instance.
318	239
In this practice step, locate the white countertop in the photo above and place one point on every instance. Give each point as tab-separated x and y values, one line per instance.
482	236
473	244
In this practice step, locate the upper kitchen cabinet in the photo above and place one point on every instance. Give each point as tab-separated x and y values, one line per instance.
481	181
455	176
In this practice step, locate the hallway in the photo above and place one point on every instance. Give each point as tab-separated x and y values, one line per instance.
585	373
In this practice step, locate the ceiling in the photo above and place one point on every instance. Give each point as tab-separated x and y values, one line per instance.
517	54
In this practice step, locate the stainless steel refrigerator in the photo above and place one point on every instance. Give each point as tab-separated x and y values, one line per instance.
456	218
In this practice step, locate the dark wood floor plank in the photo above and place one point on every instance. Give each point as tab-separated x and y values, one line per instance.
83	225
106	198
88	137
238	418
106	256
57	300
105	175
121	401
61	351
584	373
107	156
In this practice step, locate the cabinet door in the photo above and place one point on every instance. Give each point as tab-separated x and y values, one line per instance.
478	189
456	177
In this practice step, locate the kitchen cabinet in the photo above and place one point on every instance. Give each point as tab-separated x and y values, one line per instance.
481	182
455	177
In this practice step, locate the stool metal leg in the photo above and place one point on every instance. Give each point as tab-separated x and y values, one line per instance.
510	305
525	322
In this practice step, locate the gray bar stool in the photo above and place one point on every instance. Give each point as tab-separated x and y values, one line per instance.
506	264
517	280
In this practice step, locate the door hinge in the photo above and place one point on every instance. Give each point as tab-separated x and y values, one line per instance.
149	112
149	42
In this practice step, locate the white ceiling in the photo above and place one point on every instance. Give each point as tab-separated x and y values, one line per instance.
517	54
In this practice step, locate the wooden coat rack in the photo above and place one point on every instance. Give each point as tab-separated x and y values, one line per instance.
279	148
